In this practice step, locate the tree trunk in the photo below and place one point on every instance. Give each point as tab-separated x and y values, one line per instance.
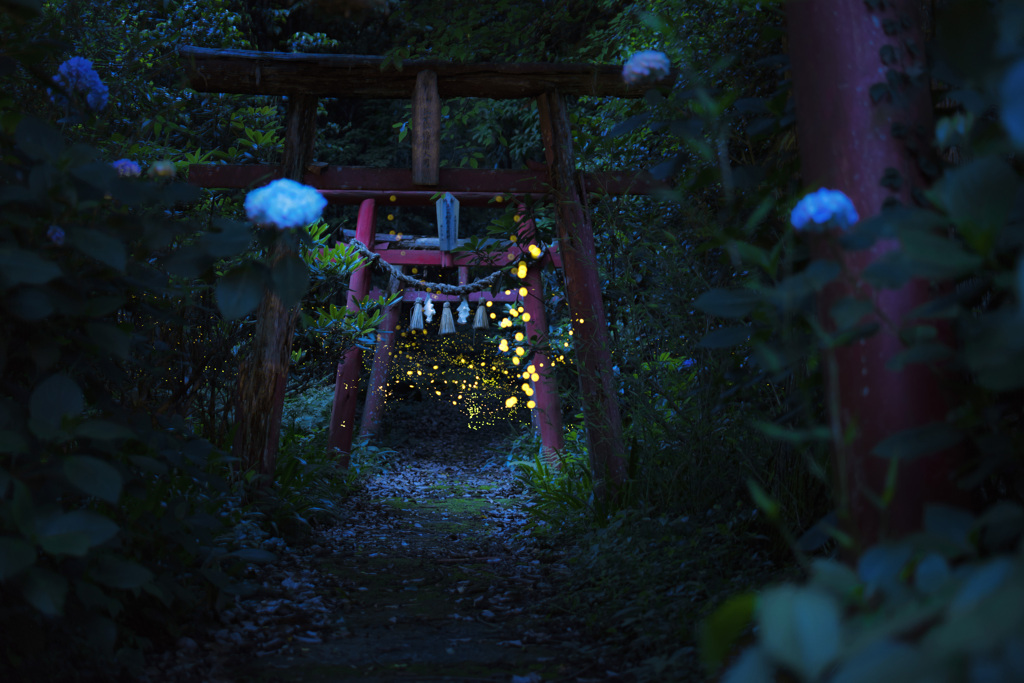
839	49
264	374
583	291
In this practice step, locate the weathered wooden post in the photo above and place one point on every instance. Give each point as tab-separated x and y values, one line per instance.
426	129
264	373
583	291
373	406
839	49
346	383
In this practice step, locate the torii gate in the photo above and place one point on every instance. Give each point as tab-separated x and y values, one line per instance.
305	77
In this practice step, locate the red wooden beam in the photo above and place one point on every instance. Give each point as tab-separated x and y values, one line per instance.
360	76
472	187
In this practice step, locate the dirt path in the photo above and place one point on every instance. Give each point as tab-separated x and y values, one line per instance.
432	576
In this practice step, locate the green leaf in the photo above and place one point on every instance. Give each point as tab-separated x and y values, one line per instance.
763	501
290	278
800	628
110	339
727	303
719	632
978	197
100	246
53	399
951	524
97	528
848	312
241	290
16	555
227	238
18	266
937	256
117	572
38	140
94	477
72	543
927	352
30	304
103	430
45	590
725	337
918	441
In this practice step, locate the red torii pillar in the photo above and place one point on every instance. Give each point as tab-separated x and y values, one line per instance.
547	411
373	406
846	143
346	384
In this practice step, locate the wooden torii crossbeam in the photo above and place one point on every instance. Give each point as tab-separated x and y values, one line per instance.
305	77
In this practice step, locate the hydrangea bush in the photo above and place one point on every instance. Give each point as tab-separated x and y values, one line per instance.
76	75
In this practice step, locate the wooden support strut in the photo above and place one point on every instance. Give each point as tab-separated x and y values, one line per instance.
346	384
583	291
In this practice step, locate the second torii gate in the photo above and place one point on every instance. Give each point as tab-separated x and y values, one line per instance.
304	77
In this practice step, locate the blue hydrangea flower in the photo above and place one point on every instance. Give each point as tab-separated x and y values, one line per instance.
818	208
284	204
127	167
55	234
77	75
645	66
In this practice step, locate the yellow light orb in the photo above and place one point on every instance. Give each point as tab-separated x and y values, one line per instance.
513	238
503	346
517	218
520	351
531	368
535	377
535	251
515	361
394	198
488	303
519	336
391	216
531	405
526	317
493	316
510	403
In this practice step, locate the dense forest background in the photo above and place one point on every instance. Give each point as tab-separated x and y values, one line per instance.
120	506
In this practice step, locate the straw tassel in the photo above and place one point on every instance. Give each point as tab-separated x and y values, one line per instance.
416	323
447	324
480	319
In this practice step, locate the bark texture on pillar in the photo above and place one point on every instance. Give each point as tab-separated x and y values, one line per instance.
583	291
839	49
264	373
346	383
